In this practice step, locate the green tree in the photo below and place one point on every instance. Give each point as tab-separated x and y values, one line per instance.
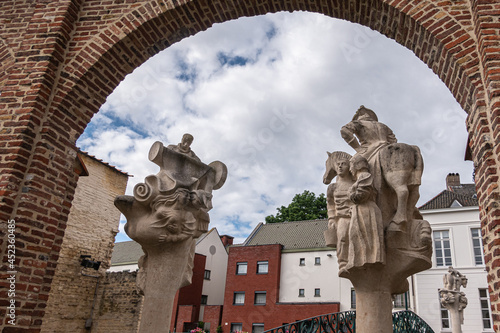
305	206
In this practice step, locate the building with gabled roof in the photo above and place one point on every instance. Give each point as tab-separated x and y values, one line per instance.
455	195
454	218
283	272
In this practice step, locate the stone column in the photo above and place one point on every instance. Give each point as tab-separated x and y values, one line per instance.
453	299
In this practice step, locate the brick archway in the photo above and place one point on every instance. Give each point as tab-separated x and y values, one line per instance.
61	59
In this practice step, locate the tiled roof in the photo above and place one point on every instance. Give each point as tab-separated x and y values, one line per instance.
126	253
468	190
101	161
129	252
292	235
464	194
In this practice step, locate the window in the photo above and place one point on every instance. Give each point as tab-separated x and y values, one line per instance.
399	300
207	274
477	245
317	261
239	298
445	315
258	328
301	293
442	248
236	327
241	268
317	292
204	299
484	300
262	267
353	298
260	298
302	261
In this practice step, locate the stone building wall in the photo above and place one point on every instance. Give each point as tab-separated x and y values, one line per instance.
91	229
120	306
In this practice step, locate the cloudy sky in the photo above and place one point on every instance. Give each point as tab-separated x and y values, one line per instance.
267	96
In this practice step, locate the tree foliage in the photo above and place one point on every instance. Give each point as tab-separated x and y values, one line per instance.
305	206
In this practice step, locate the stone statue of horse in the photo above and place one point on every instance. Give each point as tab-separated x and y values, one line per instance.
397	170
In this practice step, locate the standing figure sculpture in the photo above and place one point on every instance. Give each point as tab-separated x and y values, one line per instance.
453	299
387	239
339	205
165	216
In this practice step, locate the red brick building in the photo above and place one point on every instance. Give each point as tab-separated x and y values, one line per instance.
188	299
252	296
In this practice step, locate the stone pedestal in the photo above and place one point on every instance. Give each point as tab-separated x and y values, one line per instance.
164	277
375	285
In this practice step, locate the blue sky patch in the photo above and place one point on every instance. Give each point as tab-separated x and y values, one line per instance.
186	73
231	61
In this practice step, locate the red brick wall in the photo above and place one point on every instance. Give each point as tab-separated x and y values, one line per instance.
272	314
61	59
213	314
186	315
189	295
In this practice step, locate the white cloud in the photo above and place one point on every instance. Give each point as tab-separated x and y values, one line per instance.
267	96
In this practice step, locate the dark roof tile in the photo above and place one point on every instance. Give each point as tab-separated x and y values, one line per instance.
292	235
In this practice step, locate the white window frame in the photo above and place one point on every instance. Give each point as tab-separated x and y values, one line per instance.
317	260
483	309
480	238
399	301
450	238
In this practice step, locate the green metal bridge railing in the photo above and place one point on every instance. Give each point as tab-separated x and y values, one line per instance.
345	322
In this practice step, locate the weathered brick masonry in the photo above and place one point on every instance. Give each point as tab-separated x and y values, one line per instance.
91	229
59	60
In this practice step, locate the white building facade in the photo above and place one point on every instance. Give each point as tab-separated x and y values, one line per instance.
312	276
457	243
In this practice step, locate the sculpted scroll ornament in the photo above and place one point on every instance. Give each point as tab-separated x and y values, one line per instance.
373	222
166	214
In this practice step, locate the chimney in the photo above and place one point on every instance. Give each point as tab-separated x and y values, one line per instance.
226	240
453	179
